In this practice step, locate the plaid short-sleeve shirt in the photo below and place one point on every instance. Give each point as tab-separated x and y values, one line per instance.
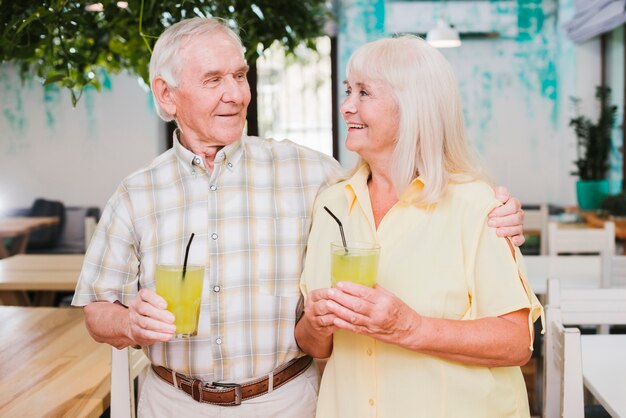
251	218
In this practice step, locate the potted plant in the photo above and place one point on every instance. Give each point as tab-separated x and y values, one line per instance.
614	209
615	205
593	147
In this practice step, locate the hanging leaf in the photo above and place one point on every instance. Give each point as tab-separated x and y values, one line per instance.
53	79
54	37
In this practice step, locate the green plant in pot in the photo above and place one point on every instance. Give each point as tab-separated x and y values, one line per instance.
593	147
615	205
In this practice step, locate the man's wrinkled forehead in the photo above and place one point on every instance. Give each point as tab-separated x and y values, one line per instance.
210	38
212	51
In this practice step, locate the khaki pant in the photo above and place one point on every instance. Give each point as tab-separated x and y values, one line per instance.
297	399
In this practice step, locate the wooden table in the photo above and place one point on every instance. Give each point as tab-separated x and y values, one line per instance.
18	228
37	272
50	365
594	220
584	271
604	370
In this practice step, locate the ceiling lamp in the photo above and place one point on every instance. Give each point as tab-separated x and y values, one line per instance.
443	36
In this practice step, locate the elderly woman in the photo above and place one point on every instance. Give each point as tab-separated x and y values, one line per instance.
449	322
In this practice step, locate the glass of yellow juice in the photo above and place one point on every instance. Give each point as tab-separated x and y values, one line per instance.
359	264
183	296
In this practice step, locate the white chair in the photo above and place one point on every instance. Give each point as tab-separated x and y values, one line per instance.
537	220
563	374
579	271
126	366
605	307
575	240
615	274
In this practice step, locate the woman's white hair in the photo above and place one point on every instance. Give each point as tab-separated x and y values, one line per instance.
165	62
431	135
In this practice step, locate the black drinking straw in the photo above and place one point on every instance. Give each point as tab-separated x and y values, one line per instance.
343	237
187	255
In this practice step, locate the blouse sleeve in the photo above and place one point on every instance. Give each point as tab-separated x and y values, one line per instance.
496	284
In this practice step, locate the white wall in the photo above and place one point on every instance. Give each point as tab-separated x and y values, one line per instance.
516	94
49	149
515	88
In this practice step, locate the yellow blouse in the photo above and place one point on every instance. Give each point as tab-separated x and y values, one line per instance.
444	262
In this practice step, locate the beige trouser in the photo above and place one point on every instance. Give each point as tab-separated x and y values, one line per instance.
297	399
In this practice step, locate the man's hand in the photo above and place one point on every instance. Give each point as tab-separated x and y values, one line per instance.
149	321
314	331
317	313
145	321
508	219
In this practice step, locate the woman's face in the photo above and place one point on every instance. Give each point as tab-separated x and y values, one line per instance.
371	113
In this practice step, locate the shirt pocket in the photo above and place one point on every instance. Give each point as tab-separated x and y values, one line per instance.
277	254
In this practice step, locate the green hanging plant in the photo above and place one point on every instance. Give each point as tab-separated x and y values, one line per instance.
61	42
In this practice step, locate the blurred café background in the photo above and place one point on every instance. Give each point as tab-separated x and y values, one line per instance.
542	83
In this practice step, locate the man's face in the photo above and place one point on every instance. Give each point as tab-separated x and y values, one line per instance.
213	94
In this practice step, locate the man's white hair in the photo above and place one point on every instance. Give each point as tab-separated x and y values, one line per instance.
165	61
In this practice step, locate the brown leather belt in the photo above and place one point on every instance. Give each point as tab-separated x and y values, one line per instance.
229	394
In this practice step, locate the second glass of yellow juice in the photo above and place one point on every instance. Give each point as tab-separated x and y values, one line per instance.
358	264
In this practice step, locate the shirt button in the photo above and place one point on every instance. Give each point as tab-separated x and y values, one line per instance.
213	187
196	160
371	402
230	165
369	351
219	341
216	288
214	235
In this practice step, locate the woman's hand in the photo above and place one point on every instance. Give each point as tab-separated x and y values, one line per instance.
374	312
379	314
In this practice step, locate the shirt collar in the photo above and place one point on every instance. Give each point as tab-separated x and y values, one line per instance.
356	189
411	194
228	156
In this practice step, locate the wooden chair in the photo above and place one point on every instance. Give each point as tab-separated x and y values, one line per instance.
126	366
606	306
537	220
563	374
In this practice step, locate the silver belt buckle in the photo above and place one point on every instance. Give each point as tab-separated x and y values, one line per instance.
235	386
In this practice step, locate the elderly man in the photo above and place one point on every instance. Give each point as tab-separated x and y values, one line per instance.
248	201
